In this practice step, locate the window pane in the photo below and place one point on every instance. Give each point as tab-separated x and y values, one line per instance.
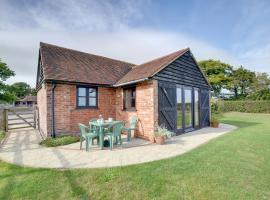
92	101
188	108
196	106
129	98
81	101
82	92
179	108
92	92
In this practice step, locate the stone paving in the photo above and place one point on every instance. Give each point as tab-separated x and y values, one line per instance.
22	147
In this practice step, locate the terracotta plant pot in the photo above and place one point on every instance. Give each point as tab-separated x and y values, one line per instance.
215	124
160	140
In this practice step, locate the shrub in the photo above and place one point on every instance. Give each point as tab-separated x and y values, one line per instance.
162	131
245	106
214	119
215	107
59	141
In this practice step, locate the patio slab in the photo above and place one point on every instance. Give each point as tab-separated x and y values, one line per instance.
22	147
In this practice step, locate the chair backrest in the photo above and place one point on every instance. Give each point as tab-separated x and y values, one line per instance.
93	128
133	122
93	119
82	129
117	128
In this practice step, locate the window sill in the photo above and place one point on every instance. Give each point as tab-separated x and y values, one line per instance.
130	110
87	107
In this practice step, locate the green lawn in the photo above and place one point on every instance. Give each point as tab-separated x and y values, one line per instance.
234	166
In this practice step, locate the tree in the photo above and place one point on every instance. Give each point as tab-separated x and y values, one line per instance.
5	73
21	89
262	82
241	81
217	73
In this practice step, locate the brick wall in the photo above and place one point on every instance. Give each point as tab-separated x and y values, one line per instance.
42	106
146	108
110	104
67	116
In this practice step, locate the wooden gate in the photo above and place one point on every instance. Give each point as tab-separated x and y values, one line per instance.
205	108
167	105
17	118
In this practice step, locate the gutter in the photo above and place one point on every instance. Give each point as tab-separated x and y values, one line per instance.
53	117
130	82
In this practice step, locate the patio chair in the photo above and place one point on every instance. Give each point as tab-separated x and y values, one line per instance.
88	135
132	126
115	134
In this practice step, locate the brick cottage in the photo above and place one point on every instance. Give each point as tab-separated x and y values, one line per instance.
74	87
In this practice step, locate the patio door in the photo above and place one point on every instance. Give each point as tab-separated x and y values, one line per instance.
188	108
186	114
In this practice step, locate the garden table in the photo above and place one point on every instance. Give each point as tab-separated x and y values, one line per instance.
102	126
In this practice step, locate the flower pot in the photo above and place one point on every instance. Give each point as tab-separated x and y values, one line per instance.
160	140
215	124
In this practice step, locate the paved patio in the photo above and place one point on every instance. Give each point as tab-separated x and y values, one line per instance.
22	147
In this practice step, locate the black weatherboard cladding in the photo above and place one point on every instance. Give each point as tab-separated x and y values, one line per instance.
185	72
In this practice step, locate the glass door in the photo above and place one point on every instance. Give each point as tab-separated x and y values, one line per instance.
196	108
179	115
188	108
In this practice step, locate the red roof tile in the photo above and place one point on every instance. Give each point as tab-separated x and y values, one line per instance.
64	64
150	68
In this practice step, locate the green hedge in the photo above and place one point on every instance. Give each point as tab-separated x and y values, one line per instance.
243	106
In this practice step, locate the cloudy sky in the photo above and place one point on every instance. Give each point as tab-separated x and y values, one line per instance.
233	31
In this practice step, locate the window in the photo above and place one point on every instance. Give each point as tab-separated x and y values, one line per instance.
86	97
196	107
129	98
179	108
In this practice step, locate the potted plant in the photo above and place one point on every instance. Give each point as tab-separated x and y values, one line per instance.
161	134
214	122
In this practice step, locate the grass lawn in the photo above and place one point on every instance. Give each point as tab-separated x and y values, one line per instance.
234	166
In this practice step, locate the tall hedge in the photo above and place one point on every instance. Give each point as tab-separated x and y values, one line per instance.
244	106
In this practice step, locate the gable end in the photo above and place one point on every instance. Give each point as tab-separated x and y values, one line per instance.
184	71
40	75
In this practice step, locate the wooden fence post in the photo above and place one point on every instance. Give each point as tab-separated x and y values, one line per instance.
35	117
2	119
6	119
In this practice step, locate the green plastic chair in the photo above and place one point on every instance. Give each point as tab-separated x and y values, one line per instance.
115	134
132	126
87	135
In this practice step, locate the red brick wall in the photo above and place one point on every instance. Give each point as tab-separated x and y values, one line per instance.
110	104
146	108
67	116
42	106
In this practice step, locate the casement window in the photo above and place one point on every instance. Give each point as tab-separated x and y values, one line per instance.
87	97
129	98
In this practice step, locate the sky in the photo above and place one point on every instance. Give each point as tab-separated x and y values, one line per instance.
236	32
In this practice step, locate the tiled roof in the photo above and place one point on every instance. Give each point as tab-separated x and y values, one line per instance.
69	65
150	68
29	98
64	64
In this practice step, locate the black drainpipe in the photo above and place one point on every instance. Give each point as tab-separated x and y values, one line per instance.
53	121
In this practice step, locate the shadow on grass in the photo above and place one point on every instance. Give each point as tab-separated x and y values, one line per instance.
77	190
10	176
240	124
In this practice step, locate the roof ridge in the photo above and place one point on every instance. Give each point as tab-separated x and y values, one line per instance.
69	49
161	57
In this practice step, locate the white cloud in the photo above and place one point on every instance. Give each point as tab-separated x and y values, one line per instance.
97	27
